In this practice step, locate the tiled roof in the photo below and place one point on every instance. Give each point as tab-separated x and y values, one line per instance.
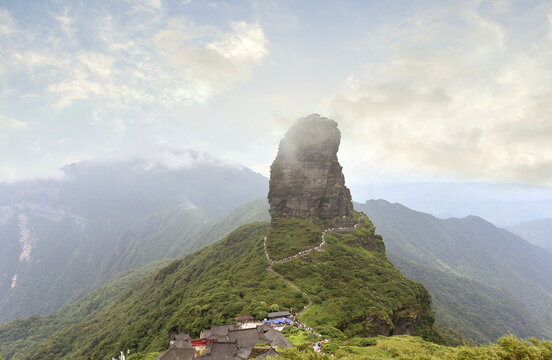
217	332
221	351
275	337
177	354
247	337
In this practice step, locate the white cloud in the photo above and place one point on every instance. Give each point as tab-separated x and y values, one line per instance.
97	63
147	4
165	155
66	22
465	98
247	42
9	124
214	67
138	63
501	6
7	23
36	146
550	26
7	174
187	205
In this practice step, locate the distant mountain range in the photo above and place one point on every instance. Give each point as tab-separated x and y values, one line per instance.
537	232
501	204
62	238
470	256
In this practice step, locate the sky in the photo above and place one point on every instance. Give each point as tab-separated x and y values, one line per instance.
422	90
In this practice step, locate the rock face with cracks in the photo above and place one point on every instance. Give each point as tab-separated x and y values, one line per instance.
306	179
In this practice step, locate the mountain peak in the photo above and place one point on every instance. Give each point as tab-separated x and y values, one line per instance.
306	179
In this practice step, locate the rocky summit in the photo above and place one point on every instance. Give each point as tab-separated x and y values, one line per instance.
306	179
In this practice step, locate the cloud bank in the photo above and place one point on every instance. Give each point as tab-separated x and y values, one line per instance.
125	65
422	90
456	92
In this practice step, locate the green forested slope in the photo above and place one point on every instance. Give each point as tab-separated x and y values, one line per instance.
20	336
356	290
474	249
62	239
408	348
481	312
229	278
210	286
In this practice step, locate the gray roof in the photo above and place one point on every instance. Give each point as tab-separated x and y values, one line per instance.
278	314
182	344
275	337
177	354
221	351
217	332
270	352
245	351
247	337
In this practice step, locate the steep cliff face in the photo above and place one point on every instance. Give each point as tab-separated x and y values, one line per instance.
306	179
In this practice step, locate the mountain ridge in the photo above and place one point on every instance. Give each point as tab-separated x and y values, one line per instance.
103	219
501	204
472	248
537	232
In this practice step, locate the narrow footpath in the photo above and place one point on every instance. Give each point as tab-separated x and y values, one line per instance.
308	251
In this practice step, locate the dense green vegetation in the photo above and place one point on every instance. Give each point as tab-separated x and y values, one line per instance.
19	336
286	237
407	348
482	312
229	278
209	287
22	335
476	250
452	337
351	280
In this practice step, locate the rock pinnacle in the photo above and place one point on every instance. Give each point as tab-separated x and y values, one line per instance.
306	179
